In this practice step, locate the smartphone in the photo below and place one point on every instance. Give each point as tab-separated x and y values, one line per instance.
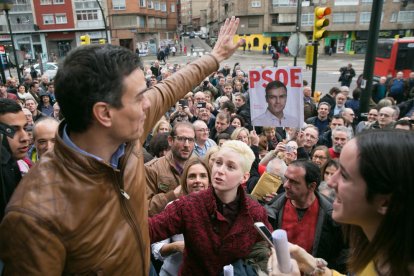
201	105
264	232
289	148
183	103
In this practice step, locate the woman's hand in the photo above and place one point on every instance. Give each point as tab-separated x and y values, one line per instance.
273	269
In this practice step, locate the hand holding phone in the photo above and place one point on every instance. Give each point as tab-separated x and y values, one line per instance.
264	232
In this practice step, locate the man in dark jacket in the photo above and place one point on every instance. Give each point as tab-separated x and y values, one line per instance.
243	109
14	146
222	125
306	215
347	73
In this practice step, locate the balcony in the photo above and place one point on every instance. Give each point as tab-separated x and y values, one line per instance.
18	28
21	8
95	24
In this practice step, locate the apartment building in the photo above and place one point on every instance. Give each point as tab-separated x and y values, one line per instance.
49	29
273	21
144	24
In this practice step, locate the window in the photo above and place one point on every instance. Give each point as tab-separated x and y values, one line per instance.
406	17
172	8
366	1
164	7
150	4
275	19
253	22
45	2
286	3
256	4
151	22
48	19
87	15
346	2
344	18
84	5
307	19
285	18
141	21
58	2
365	17
61	19
157	6
393	17
118	4
142	3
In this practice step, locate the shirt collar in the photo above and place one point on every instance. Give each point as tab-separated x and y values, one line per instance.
114	162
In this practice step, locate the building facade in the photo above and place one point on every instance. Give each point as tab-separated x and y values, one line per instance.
273	21
48	29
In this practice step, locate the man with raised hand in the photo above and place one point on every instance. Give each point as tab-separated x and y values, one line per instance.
83	209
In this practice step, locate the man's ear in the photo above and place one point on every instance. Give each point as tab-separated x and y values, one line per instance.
312	186
102	113
382	201
170	141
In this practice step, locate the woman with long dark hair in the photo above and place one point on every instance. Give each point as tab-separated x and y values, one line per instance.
375	201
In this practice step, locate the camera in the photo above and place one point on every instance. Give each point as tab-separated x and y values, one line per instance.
201	105
205	83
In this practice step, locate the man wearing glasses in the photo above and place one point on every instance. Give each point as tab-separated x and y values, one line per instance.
202	142
276	98
163	174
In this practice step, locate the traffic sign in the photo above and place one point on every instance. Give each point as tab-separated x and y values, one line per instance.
296	44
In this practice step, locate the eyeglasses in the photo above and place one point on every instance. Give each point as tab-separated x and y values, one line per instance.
319	157
203	130
183	139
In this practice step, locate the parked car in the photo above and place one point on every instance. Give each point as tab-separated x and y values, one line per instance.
203	36
192	35
49	68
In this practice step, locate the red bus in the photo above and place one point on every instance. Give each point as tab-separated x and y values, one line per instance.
394	55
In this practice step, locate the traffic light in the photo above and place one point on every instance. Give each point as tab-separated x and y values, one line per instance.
85	40
102	41
320	22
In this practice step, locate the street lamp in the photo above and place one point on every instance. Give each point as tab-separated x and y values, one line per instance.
7	5
104	21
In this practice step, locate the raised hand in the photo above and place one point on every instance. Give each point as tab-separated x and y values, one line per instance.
225	47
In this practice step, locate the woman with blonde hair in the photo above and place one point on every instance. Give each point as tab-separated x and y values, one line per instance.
217	223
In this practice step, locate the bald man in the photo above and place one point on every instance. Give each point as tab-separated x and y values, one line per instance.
44	132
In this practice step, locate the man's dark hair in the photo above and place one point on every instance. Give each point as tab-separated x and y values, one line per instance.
275	85
312	171
91	74
338	116
159	143
33	84
179	125
229	105
325	103
9	106
334	90
224	136
404	123
356	93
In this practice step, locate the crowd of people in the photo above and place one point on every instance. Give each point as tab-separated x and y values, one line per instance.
140	169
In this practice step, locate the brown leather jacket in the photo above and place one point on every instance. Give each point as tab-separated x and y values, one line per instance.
162	179
69	215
